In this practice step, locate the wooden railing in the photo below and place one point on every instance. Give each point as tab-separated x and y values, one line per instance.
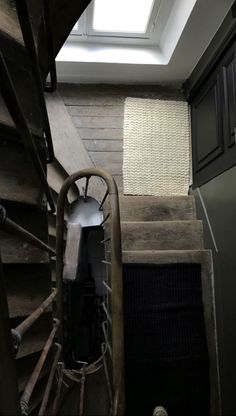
114	287
10	341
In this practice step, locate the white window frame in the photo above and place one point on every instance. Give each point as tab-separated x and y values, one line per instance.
156	24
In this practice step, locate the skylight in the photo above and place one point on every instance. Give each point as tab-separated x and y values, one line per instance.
129	16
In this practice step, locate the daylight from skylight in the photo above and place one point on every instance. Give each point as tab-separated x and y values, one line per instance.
122	15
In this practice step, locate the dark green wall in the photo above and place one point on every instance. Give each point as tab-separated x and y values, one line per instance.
216	206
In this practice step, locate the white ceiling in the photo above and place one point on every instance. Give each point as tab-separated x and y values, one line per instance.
202	24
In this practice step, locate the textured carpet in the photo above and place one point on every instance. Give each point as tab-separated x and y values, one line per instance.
165	342
156	147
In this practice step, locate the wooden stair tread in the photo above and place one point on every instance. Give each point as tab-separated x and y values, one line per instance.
162	235
151	208
9	23
166	256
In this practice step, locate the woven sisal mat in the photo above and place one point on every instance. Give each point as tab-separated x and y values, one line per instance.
156	147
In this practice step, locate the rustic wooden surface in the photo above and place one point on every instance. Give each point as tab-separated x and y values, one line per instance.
68	146
97	112
9	21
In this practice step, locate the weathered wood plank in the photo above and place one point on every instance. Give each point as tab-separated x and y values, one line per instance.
98	122
101	133
107	157
97	100
112	168
9	21
104	145
68	146
161	235
152	208
96	110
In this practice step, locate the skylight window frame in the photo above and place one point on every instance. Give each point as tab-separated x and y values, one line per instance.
124	34
86	33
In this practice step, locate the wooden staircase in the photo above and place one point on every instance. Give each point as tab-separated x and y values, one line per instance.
25	267
164	230
154	230
31	33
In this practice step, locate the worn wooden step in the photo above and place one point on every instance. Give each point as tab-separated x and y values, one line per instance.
19	181
162	235
28	285
151	208
9	23
166	256
15	249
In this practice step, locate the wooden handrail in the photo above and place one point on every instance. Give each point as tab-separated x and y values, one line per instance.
116	275
24	326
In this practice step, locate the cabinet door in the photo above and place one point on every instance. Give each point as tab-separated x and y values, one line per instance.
228	70
207	123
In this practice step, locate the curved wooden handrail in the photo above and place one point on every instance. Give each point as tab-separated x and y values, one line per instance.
116	274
